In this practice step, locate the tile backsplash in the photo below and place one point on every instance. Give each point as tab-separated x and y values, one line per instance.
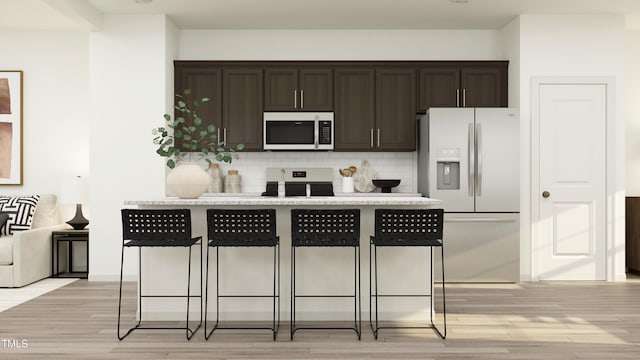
389	165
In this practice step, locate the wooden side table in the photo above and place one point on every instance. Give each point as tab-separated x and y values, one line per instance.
69	237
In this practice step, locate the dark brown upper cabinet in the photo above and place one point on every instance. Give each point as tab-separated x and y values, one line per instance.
395	109
463	84
298	89
204	82
242	107
484	86
354	116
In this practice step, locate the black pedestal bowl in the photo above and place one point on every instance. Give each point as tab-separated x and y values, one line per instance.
386	184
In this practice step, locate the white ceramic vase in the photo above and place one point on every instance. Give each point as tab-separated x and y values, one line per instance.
188	180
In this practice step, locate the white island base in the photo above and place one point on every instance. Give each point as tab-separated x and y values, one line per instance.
249	271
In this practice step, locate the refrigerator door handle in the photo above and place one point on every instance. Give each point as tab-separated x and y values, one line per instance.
479	159
471	157
479	220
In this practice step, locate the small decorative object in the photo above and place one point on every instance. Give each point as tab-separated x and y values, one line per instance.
187	136
188	180
215	178
75	190
386	184
363	176
232	182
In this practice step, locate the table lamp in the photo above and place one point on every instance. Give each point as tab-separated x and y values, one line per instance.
75	190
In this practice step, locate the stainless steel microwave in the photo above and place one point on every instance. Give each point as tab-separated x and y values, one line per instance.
298	131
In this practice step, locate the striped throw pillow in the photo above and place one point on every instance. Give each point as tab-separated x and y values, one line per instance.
20	210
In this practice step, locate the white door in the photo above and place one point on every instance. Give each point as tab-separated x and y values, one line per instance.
571	238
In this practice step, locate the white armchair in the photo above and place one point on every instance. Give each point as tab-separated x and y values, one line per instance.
25	256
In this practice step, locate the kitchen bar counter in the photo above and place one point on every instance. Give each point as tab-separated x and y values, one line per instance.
247	270
257	200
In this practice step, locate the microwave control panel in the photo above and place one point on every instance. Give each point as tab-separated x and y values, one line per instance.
325	132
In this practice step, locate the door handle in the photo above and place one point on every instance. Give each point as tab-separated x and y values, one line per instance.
295	99
546	194
471	166
479	159
301	99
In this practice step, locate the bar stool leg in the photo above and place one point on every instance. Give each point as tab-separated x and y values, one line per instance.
206	300
293	292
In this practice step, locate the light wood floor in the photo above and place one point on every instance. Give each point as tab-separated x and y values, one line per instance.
516	321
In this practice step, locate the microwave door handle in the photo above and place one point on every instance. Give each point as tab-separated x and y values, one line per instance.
316	128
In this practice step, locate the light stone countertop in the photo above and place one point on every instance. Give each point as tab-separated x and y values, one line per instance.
257	200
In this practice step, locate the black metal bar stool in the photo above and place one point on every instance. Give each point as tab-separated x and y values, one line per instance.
243	228
158	228
415	227
320	228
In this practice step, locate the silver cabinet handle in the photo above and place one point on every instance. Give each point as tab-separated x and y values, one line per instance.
457	97
479	158
225	136
301	99
218	136
371	137
471	156
295	99
464	97
378	137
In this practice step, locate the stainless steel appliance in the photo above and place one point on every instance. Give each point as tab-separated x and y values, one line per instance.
319	181
470	159
298	131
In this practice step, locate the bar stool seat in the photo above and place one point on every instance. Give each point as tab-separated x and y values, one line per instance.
326	228
243	228
413	228
158	228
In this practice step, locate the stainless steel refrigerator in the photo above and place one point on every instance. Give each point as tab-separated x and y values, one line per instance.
470	159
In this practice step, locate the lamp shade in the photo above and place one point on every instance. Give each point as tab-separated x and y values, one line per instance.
75	190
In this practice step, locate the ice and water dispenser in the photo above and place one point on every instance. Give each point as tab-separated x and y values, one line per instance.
448	168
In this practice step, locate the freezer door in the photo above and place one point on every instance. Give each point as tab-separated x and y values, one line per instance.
451	157
480	248
497	185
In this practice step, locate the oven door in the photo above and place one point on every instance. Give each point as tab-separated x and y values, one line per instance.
290	135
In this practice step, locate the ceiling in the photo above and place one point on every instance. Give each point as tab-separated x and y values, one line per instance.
301	14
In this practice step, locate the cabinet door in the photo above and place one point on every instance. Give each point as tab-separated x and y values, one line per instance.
439	87
281	89
316	90
484	87
354	108
203	82
396	109
242	107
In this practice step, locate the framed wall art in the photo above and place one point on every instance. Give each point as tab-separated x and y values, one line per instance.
10	127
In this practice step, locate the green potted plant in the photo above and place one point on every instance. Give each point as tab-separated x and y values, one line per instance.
185	140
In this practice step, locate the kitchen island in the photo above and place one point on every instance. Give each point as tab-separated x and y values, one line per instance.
248	270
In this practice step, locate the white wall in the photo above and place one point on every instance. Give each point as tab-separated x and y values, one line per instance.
585	46
55	116
129	77
632	108
339	45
